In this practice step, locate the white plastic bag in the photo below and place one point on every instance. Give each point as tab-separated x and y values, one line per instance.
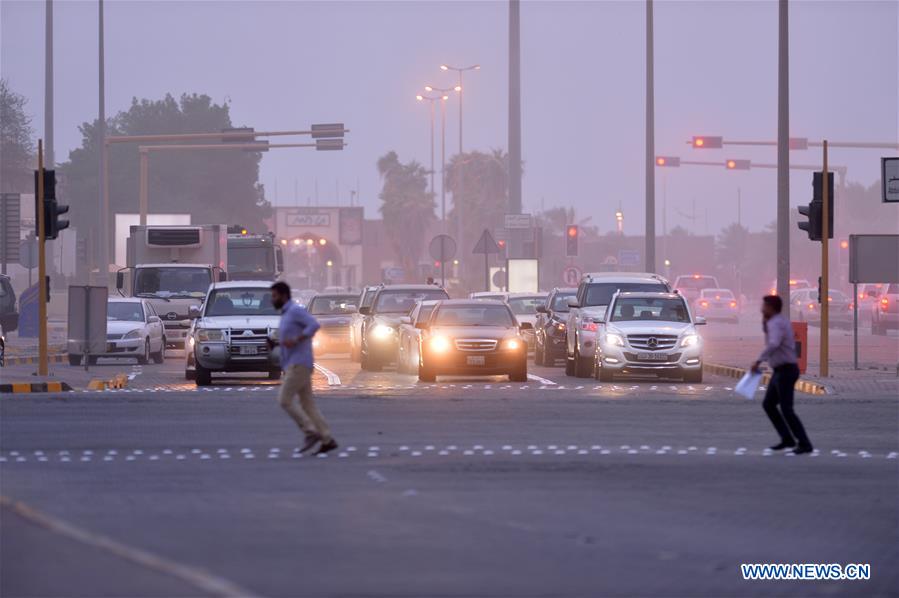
748	384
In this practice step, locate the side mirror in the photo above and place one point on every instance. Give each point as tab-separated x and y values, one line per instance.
153	320
541	309
421	325
572	302
405	320
700	321
526	326
120	280
365	310
223	276
193	312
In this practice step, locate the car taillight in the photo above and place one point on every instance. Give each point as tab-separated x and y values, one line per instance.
589	326
704	303
811	306
884	304
733	303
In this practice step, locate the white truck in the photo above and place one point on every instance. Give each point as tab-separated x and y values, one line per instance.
254	257
172	267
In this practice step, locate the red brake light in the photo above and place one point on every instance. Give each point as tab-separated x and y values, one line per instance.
704	303
733	303
589	326
811	306
884	303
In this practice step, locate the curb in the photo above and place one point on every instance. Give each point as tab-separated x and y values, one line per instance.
32	359
30	387
119	381
806	386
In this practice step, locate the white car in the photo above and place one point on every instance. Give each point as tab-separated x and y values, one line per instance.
231	331
133	329
649	334
717	304
589	305
524	306
410	336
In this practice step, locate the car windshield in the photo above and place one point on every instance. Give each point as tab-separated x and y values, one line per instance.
331	305
474	315
171	282
367	298
425	312
660	309
248	259
401	302
717	294
560	301
124	311
526	306
696	282
893	289
600	293
240	302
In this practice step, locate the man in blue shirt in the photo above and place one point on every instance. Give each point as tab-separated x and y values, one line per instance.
295	337
780	353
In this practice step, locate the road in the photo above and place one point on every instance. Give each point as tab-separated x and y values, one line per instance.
466	487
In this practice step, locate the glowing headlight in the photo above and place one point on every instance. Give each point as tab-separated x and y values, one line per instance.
614	339
382	331
440	344
560	326
512	344
690	340
132	335
205	335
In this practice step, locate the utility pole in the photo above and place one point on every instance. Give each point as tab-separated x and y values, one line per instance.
103	253
650	258
514	107
825	266
41	263
739	208
783	151
48	84
443	161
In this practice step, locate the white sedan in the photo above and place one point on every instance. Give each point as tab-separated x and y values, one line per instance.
133	329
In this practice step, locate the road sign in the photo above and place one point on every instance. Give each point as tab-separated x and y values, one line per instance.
394	274
486	244
324	145
327	130
10	227
571	276
889	179
28	253
629	257
498	278
87	318
442	248
519	221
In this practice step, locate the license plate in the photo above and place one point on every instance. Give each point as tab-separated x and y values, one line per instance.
250	350
652	356
475	360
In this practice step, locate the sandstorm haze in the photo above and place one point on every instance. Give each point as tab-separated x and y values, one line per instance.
281	65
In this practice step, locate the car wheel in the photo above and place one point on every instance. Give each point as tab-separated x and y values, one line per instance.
582	365
74	359
693	377
190	375
145	358
539	352
569	366
604	374
520	374
425	374
369	364
159	357
202	376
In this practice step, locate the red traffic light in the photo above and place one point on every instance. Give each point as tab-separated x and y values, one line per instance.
501	243
669	161
738	164
572	230
707	142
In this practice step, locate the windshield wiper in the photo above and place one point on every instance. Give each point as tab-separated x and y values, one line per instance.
152	295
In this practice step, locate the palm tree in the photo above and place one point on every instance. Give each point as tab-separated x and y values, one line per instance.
731	252
407	208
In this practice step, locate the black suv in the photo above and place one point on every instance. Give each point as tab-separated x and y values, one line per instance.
9	316
549	329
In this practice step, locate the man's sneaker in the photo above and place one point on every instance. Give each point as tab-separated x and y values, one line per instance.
311	440
803	449
782	446
326	447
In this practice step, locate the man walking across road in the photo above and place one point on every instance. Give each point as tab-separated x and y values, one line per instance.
295	337
780	353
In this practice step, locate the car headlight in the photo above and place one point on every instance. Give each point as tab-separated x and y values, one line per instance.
440	344
512	344
614	339
205	335
130	336
382	332
690	340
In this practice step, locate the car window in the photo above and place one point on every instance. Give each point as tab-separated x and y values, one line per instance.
629	309
367	298
240	302
717	294
474	315
3	291
331	305
124	311
696	282
400	302
600	293
525	306
424	312
560	302
893	289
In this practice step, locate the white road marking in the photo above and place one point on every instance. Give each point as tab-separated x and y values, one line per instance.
333	379
538	379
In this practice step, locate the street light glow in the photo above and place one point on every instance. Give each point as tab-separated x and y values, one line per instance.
428	88
419	97
458	88
443	67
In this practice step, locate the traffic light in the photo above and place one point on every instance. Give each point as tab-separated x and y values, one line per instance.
571	240
813	226
737	164
52	210
707	142
818	195
669	161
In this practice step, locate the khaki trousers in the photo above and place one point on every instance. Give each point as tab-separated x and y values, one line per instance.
297	382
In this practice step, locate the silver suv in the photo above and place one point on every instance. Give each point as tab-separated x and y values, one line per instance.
594	294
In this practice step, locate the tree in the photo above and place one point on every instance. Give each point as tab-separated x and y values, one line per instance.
214	186
479	183
407	208
555	221
730	253
16	142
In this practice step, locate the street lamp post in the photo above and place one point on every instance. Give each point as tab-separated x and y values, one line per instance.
459	88
430	100
444	96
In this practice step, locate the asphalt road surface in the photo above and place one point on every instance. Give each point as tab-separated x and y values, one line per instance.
466	487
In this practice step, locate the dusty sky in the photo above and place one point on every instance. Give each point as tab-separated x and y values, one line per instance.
284	65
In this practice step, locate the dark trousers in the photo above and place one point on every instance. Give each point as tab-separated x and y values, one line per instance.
780	392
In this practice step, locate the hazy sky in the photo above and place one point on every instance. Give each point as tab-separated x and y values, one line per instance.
283	65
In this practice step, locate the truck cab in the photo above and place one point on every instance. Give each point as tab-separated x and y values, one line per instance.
254	257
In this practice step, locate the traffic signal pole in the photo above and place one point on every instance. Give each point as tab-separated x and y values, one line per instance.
825	292
650	257
41	265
